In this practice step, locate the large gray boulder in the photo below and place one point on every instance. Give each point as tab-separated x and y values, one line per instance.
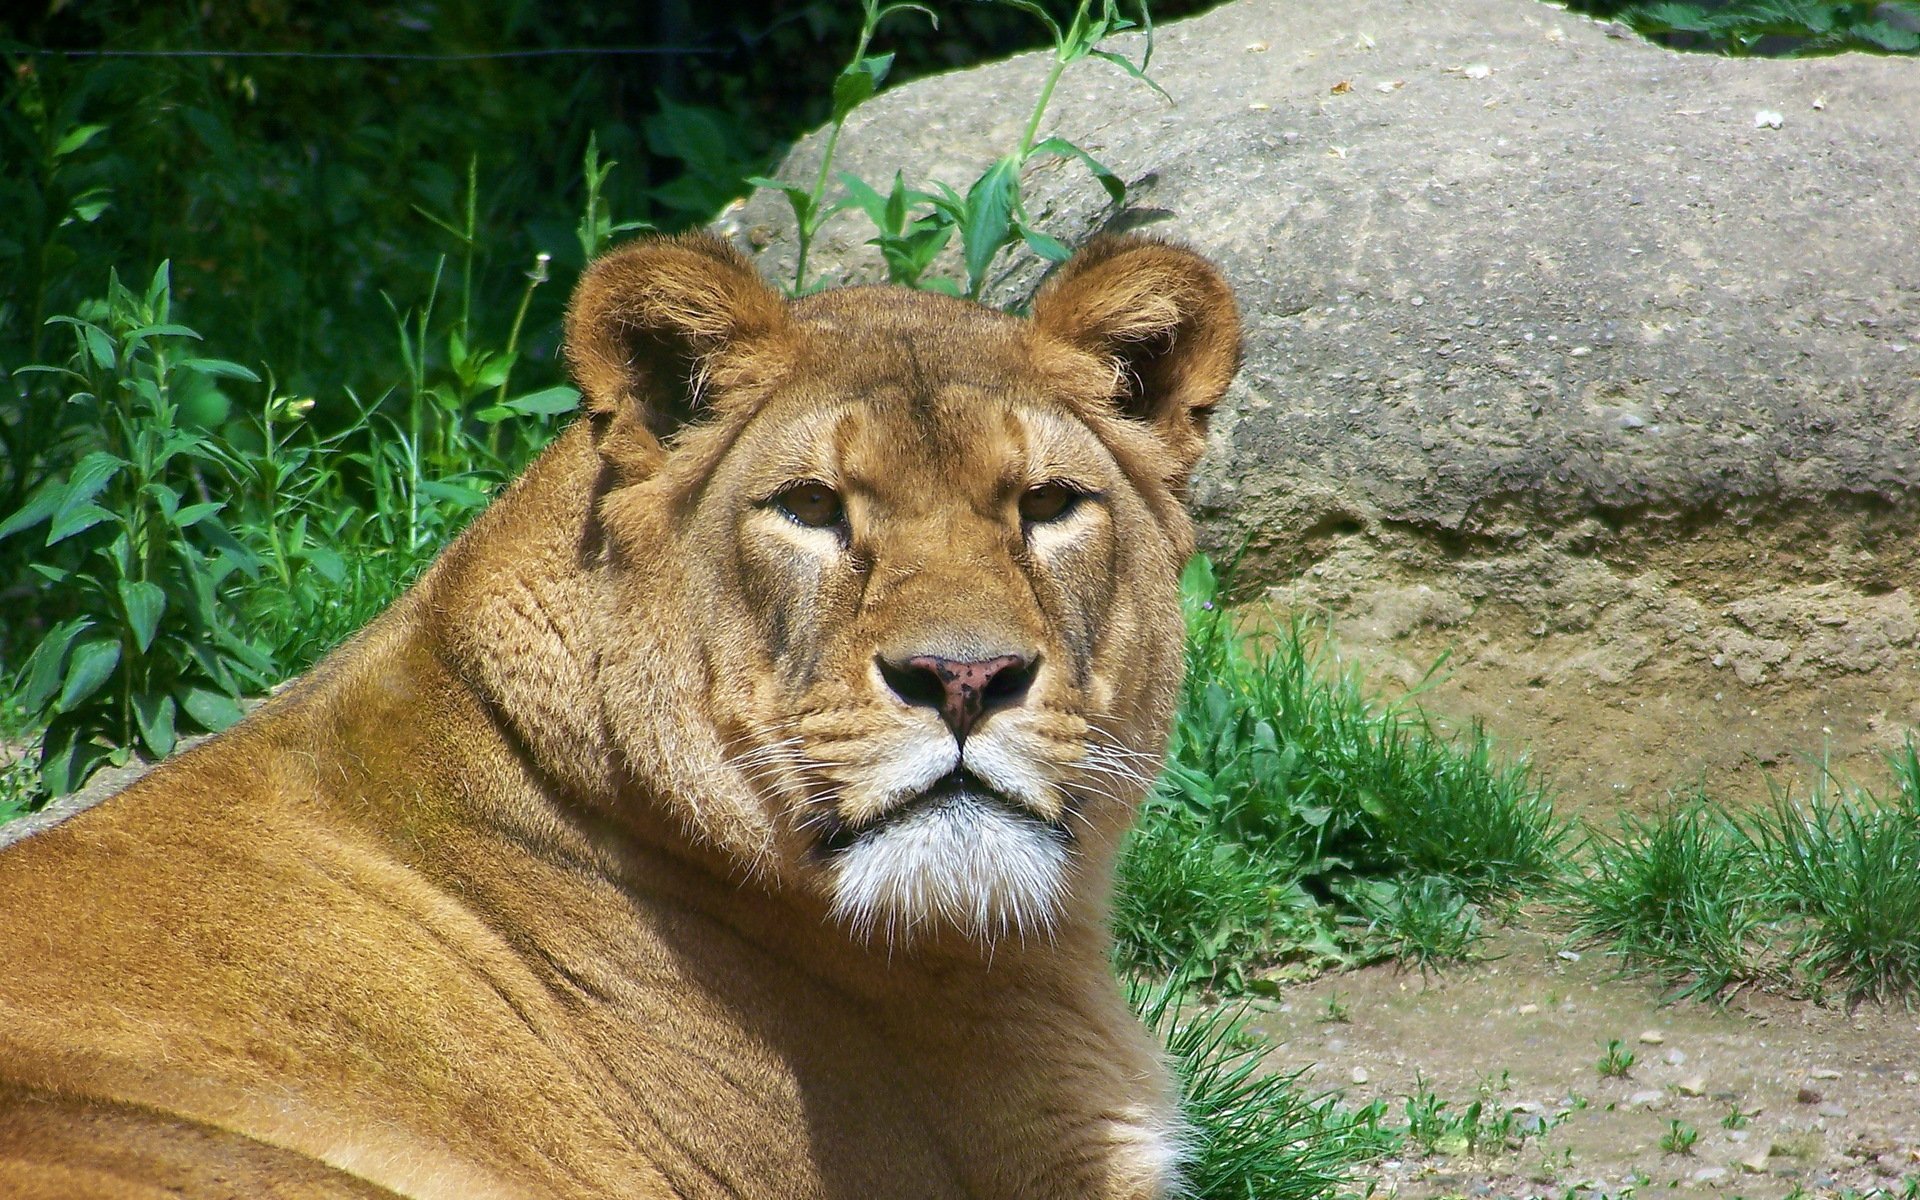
1592	363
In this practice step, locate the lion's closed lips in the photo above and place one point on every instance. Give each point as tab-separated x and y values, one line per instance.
731	811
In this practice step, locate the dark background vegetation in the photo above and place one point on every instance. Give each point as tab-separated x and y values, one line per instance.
291	193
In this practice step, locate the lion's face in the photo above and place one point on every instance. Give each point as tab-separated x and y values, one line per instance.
927	556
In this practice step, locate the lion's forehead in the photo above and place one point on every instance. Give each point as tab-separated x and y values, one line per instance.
887	435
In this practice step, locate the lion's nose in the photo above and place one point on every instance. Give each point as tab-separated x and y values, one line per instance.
964	692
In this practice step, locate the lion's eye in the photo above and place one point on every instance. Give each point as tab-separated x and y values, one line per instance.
1047	502
813	504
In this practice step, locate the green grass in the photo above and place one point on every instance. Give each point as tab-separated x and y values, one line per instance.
1815	893
1302	821
1258	1133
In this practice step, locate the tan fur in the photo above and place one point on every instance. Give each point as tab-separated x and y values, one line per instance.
529	890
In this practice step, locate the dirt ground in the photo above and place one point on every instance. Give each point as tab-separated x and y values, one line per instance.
1829	1100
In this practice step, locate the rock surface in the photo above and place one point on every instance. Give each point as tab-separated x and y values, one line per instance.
1557	360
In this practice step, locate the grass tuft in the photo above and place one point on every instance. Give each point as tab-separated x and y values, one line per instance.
1675	894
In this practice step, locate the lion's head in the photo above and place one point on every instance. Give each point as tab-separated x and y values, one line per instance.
890	576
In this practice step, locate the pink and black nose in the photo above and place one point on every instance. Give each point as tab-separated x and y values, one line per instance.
964	692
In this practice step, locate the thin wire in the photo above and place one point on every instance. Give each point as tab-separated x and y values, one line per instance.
557	52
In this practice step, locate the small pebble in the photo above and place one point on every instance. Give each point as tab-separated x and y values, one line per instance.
1824	1073
1358	1075
1527	1010
1755	1163
1710	1174
1909	1077
1652	1037
1646	1099
1569	955
1766	118
1833	1111
1695	1086
1676	1058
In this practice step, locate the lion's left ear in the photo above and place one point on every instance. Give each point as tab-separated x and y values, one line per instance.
1165	319
660	327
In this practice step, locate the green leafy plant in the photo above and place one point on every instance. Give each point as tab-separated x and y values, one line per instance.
856	83
1616	1062
135	558
915	225
1679	1138
991	216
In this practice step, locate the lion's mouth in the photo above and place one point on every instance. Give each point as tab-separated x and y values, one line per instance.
956	790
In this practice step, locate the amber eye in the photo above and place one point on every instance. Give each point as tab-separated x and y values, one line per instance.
1047	502
813	504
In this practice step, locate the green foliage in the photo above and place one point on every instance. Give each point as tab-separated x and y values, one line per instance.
1259	1135
1297	814
1805	895
856	83
1679	894
915	225
1846	870
135	557
1792	28
1679	1138
1482	1126
1616	1062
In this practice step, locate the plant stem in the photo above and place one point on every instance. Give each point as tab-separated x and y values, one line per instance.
1040	108
810	222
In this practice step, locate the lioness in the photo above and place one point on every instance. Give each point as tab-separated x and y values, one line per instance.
730	811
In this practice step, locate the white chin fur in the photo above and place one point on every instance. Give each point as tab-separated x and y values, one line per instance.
958	864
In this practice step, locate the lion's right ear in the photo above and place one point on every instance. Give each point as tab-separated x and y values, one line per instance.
657	328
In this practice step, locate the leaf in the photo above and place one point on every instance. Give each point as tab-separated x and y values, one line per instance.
77	520
990	204
76	138
211	710
47	664
331	566
147	331
453	493
144	604
1127	65
799	198
1046	246
67	759
868	201
547	402
857	84
92	665
155	717
1116	190
1053	26
88	479
99	346
220	368
39	506
193	514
